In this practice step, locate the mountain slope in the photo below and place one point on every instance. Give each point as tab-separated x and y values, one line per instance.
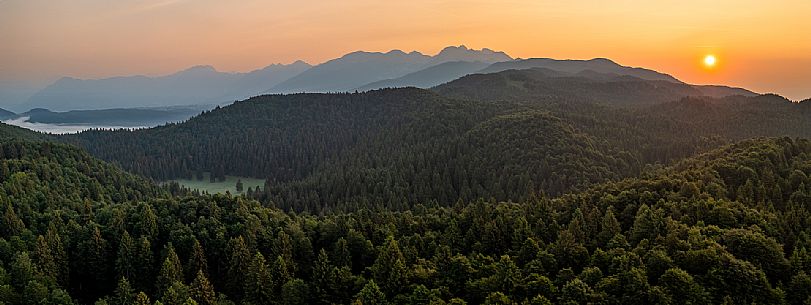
353	70
9	132
600	65
357	69
5	114
742	117
584	85
428	77
543	83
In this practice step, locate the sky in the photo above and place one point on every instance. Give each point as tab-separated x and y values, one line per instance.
764	46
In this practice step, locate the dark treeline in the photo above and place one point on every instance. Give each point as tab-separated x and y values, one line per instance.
727	227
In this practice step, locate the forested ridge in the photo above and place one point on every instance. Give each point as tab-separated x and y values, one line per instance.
530	131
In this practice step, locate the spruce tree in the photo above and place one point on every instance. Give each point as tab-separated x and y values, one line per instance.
202	290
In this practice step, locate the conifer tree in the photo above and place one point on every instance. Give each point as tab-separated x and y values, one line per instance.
259	284
371	295
197	260
171	270
123	294
389	268
45	260
124	264
202	291
239	261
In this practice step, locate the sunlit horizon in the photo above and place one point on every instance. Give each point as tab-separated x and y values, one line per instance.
759	46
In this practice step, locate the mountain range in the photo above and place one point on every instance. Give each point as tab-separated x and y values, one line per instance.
196	85
357	71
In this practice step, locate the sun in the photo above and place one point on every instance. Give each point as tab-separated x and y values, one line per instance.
709	61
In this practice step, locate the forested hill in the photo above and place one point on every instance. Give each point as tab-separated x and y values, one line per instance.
727	227
10	132
396	147
587	85
52	174
742	117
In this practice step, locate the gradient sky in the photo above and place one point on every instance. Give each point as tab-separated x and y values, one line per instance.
761	45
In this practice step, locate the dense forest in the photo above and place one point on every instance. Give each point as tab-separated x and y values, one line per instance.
727	227
505	136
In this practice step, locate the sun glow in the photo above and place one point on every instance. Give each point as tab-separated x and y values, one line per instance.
709	61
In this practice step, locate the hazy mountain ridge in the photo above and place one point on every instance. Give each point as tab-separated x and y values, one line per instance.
196	85
356	70
601	65
430	76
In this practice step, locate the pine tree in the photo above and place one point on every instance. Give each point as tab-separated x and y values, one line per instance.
322	276
44	259
59	255
648	223
147	222
341	255
238	266
124	264
371	295
259	284
12	224
142	299
123	294
608	227
202	290
94	264
171	271
176	294
197	260
22	270
284	247
144	261
389	268
280	273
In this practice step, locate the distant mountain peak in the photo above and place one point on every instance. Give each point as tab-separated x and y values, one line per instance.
604	60
199	68
463	53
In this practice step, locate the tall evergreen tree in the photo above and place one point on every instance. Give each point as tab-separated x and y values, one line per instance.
202	291
389	268
125	261
259	284
171	270
197	260
239	261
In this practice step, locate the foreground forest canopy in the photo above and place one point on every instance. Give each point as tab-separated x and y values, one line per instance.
730	226
519	187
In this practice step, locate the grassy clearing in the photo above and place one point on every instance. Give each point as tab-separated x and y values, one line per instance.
228	185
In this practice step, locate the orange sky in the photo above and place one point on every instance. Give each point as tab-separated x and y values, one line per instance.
761	45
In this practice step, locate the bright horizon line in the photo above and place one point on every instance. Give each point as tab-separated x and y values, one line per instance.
323	61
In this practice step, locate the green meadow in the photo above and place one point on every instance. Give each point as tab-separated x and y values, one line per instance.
229	185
